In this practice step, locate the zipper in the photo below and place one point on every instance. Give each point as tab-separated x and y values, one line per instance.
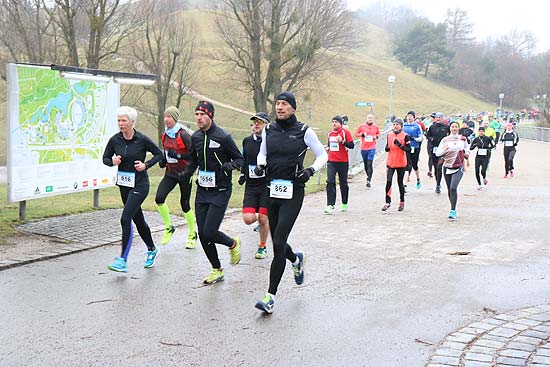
220	162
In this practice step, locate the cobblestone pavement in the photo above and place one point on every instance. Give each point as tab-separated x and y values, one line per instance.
515	338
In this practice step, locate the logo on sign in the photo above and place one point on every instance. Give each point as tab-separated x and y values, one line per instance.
105	181
75	185
84	183
37	191
94	182
49	188
364	104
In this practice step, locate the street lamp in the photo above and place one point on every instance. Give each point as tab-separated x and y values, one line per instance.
500	96
391	79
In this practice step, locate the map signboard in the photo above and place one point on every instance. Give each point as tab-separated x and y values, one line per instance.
58	129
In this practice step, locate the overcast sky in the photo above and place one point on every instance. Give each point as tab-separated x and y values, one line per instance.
491	18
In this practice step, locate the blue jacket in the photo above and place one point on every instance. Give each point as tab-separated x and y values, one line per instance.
414	131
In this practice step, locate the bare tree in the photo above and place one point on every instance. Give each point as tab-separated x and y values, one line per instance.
165	47
459	27
517	43
280	44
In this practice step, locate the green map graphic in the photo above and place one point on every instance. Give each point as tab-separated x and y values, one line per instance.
59	118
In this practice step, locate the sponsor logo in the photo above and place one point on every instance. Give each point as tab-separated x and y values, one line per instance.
75	185
94	182
84	183
213	144
105	181
37	191
49	188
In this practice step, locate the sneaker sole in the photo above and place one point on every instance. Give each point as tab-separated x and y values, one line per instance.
214	282
260	306
117	270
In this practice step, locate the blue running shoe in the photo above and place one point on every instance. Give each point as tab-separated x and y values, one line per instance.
266	304
151	258
299	269
452	214
118	265
418	184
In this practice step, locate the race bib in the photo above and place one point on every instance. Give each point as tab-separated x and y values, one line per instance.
482	152
369	138
435	149
170	160
412	150
334	146
281	189
127	179
509	143
253	174
207	178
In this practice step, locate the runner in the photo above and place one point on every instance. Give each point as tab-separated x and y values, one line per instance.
284	144
397	146
369	134
175	142
215	154
339	141
484	144
127	150
414	131
510	140
436	132
453	149
429	145
255	198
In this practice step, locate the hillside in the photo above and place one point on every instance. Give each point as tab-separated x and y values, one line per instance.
361	77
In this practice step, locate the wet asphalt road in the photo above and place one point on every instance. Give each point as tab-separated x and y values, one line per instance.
375	282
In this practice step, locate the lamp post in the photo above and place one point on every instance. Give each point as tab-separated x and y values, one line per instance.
500	96
391	79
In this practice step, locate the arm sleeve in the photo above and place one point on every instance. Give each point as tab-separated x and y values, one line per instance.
243	169
261	159
193	161
233	152
474	144
155	150
317	148
441	148
407	146
108	153
349	140
186	138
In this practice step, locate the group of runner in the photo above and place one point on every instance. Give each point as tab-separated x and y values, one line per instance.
272	170
449	142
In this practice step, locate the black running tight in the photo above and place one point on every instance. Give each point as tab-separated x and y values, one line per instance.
282	214
389	178
167	184
509	154
452	181
482	162
132	199
342	169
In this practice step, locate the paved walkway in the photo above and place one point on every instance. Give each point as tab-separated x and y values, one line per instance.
394	289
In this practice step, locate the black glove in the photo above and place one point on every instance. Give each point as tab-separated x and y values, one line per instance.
259	170
162	162
304	174
227	167
242	179
397	142
173	154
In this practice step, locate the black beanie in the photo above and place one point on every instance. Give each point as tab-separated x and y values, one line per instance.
412	113
206	107
287	96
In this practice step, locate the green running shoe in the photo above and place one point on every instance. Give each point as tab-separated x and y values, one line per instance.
215	275
261	253
266	304
235	252
167	236
191	241
344	207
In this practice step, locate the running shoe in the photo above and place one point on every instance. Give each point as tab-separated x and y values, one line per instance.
191	240
505	176
235	252
329	209
215	275
261	253
452	214
401	206
485	182
167	236
430	174
257	228
299	269
118	265
511	173
405	188
368	184
266	304
438	189
385	207
344	207
480	188
151	258
418	185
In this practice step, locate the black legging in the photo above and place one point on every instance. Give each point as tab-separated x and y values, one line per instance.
342	169
452	181
209	218
389	179
167	184
430	151
368	168
282	214
412	159
509	154
438	165
132	199
482	163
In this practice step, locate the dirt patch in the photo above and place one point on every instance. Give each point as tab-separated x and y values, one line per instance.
24	244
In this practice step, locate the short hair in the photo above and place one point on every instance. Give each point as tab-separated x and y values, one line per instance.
130	112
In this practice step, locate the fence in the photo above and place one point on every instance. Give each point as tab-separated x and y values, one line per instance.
534	133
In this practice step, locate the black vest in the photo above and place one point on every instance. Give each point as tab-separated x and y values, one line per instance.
286	149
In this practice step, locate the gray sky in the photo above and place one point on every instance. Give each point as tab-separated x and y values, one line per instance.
491	18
